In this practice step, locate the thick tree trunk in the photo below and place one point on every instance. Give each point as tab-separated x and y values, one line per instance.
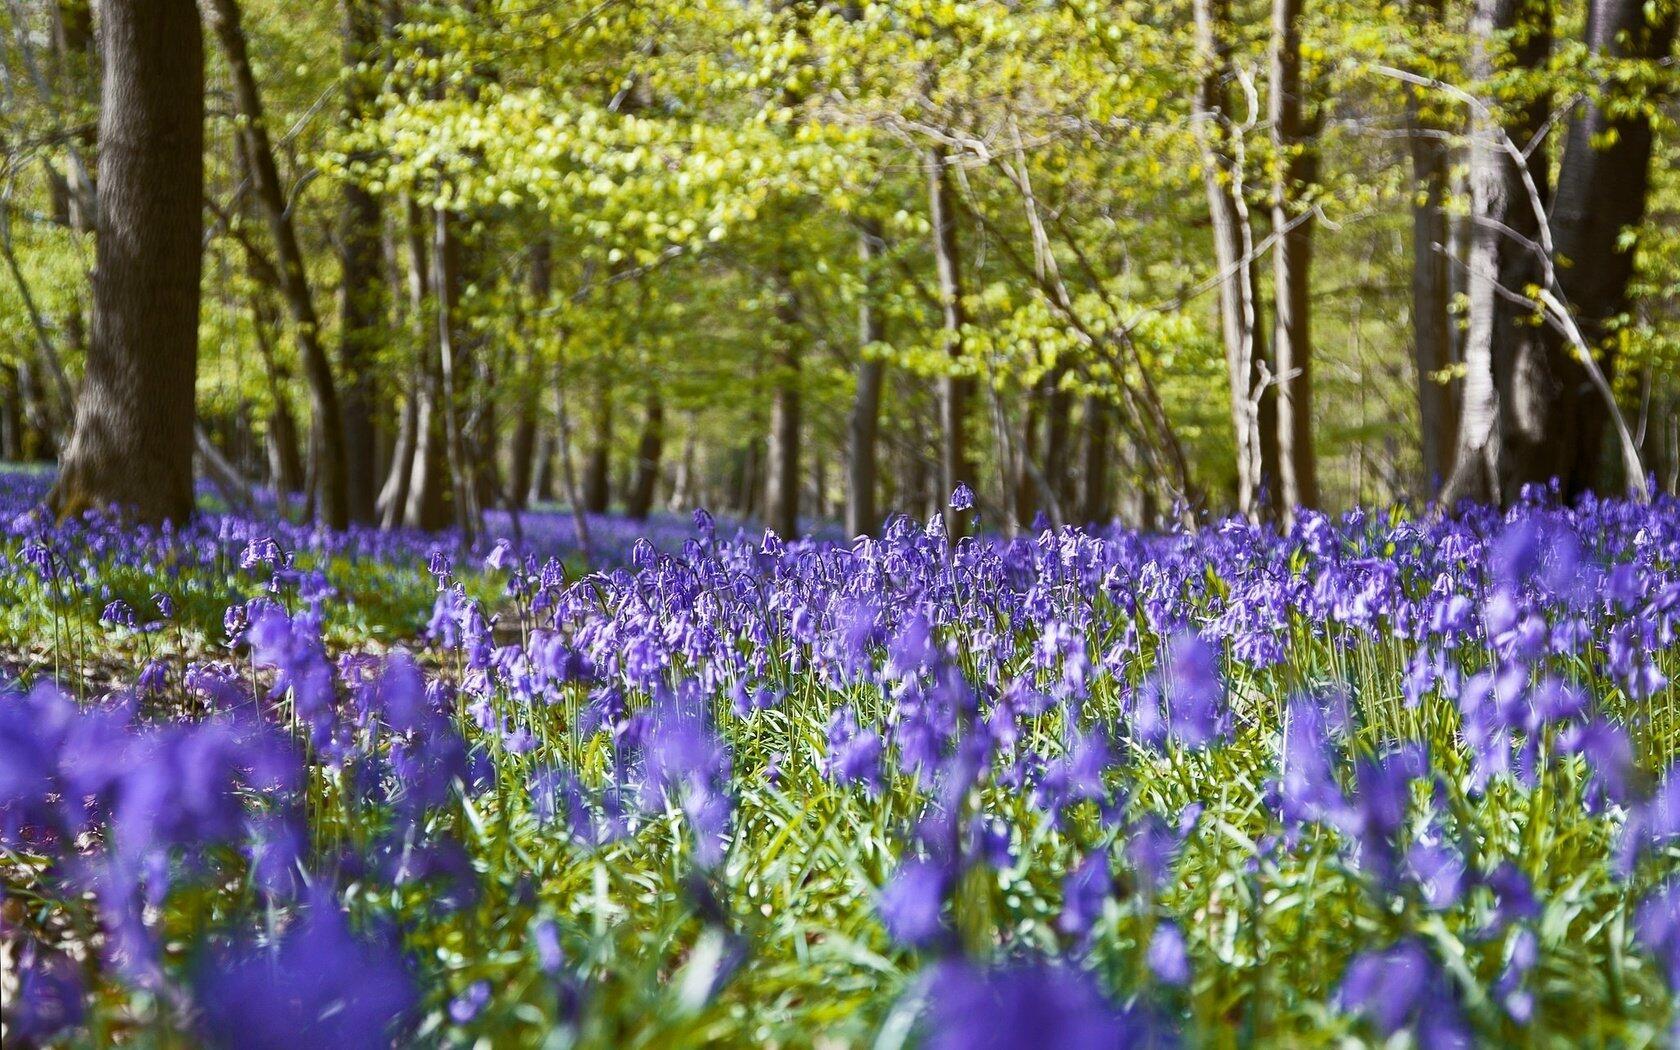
1604	182
362	290
132	445
863	427
1242	328
650	449
1296	170
1432	327
1502	350
781	490
956	457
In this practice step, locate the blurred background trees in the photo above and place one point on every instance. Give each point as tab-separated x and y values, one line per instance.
802	260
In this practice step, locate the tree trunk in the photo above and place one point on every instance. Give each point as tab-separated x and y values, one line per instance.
1432	327
11	415
956	458
362	289
292	277
1604	183
650	448
597	474
1096	504
1502	350
448	281
132	445
1296	170
1253	401
781	490
428	500
863	430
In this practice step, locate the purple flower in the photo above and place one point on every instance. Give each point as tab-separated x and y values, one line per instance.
1401	988
911	903
962	497
1169	958
321	986
1084	892
48	1000
1031	1005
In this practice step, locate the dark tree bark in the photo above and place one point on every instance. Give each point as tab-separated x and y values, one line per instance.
1096	504
1556	428
363	293
781	490
597	472
956	456
650	449
1432	327
1296	170
1058	449
1503	347
132	445
1242	326
11	415
332	480
863	430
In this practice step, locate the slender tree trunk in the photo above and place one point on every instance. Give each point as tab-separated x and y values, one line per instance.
597	475
363	294
1502	350
650	448
956	457
393	495
1058	449
1432	327
1096	504
1296	170
568	476
428	502
1604	183
447	284
293	278
11	415
132	445
1242	329
781	492
863	431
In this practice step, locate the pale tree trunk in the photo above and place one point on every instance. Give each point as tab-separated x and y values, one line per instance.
1296	170
1242	330
1501	349
863	430
956	457
132	445
427	505
1604	183
781	491
362	290
1432	327
294	281
448	281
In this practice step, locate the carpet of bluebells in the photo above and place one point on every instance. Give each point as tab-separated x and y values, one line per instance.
1381	776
